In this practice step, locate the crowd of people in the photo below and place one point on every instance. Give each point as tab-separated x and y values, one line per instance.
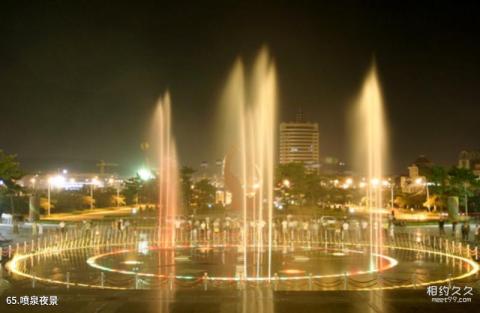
465	229
283	230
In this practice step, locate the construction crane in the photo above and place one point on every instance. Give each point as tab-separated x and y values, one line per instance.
102	165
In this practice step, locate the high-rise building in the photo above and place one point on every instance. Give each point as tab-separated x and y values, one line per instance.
299	142
470	160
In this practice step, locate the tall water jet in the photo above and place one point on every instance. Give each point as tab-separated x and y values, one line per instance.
167	173
249	118
371	150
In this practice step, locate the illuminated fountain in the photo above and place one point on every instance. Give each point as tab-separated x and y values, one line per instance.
250	119
371	151
248	254
167	174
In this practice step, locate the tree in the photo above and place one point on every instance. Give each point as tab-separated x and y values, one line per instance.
88	201
292	176
409	200
44	204
9	173
312	188
117	200
463	183
462	179
132	189
67	201
204	194
107	197
438	180
438	177
9	170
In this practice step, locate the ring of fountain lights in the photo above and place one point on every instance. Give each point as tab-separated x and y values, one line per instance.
18	258
391	262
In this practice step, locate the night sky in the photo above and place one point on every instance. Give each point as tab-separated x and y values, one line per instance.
79	81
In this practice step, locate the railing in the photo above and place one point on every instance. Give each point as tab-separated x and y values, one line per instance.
107	237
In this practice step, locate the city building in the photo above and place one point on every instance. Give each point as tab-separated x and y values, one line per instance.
331	165
470	160
416	180
299	142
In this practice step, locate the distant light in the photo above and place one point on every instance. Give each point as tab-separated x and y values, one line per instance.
349	181
419	181
65	171
375	182
57	181
351	210
145	174
421	217
286	183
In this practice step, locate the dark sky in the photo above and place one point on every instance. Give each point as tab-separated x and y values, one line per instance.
79	80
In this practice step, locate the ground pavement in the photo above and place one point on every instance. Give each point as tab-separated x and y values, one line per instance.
232	301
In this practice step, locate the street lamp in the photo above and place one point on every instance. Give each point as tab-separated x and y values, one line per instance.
92	184
145	174
388	183
49	204
57	181
117	186
466	198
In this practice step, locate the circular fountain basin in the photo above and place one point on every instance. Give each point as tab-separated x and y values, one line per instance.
225	263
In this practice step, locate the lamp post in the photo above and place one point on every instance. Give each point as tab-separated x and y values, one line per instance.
362	185
428	196
391	194
91	196
49	187
116	184
392	186
118	196
58	181
92	185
